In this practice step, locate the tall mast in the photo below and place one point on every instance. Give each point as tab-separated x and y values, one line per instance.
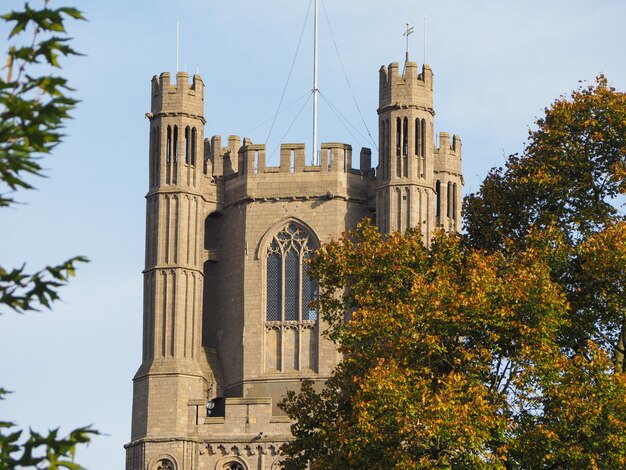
315	90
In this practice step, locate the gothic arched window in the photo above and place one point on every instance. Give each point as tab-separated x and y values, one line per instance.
291	326
290	290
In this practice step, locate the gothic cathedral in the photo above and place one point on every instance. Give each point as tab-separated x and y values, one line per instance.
227	322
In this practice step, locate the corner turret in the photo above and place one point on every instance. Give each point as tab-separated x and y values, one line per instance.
173	359
404	189
448	182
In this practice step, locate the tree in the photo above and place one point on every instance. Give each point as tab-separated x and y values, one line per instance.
572	168
33	108
568	181
441	346
502	348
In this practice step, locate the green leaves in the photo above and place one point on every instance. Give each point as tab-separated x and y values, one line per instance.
37	449
32	108
53	451
23	292
45	19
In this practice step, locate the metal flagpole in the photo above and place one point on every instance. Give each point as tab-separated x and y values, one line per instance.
315	91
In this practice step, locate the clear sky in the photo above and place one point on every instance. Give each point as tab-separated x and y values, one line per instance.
497	64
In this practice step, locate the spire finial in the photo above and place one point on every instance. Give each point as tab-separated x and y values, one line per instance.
409	30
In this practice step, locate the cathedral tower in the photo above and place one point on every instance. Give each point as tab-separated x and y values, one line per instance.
229	325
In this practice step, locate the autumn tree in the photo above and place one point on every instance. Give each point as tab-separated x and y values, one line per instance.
439	346
568	180
452	360
34	104
568	176
503	348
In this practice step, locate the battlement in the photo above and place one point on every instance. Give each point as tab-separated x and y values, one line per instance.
162	83
408	89
181	96
334	157
251	159
448	154
446	146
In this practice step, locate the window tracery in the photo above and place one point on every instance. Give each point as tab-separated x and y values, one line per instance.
291	321
290	290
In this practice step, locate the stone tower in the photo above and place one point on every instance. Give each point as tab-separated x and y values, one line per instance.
228	326
415	181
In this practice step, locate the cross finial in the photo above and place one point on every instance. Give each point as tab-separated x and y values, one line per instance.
409	30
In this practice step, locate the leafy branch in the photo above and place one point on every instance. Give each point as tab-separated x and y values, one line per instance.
23	292
33	108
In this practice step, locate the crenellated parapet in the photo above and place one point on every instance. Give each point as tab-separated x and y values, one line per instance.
405	90
448	154
245	172
237	161
179	98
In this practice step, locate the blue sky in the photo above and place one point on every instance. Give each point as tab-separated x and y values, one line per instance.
496	64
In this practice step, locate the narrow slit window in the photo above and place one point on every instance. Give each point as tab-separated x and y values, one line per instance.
169	144
187	149
382	148
398	136
194	138
438	199
423	144
405	137
454	204
417	137
175	146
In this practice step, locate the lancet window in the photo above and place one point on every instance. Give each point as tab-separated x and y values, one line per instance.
194	138
423	139
454	199
169	144
174	150
438	199
187	145
398	136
